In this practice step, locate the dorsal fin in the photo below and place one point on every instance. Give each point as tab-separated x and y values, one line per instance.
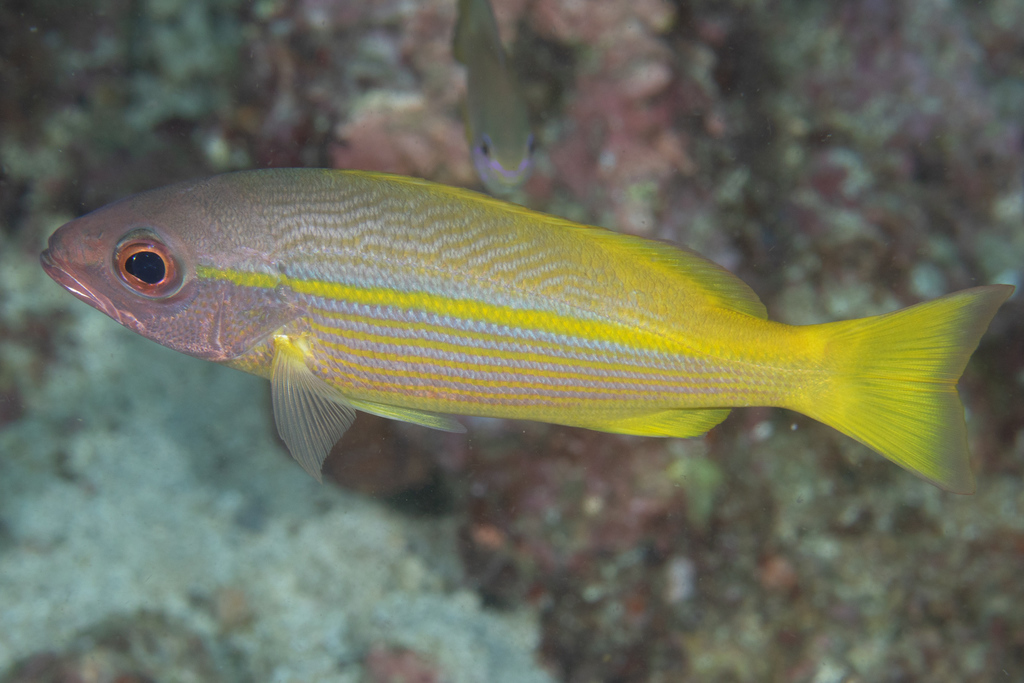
476	33
724	288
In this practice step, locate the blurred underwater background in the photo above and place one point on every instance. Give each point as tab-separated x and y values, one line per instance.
844	159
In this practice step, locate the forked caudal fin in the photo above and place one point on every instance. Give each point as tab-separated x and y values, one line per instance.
894	385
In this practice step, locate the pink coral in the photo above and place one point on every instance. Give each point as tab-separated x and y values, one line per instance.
597	22
404	135
621	146
620	140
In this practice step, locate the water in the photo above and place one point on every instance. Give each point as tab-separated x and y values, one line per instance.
843	161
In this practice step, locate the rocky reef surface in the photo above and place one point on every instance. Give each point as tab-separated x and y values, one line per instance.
844	159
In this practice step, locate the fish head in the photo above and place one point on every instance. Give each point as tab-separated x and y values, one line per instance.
136	260
503	167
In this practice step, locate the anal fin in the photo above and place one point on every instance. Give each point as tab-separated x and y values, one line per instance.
677	422
424	418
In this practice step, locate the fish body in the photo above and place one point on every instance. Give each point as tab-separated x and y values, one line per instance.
417	301
498	127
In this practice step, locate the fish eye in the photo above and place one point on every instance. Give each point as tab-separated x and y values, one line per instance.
485	146
147	267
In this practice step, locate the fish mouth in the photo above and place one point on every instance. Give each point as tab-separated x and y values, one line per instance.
508	178
60	274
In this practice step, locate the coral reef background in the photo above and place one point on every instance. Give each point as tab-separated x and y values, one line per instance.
842	158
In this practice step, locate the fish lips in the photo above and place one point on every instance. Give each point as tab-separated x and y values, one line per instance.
62	276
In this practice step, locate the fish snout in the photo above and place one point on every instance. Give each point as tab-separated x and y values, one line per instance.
62	274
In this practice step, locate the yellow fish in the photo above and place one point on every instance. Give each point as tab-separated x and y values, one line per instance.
498	127
416	301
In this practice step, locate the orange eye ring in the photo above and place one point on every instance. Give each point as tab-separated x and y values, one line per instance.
147	267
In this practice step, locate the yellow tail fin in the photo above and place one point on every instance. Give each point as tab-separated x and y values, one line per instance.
894	387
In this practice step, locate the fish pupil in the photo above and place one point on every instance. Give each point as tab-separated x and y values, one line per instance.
147	266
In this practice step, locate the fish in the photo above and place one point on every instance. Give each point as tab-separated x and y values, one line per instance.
497	124
355	291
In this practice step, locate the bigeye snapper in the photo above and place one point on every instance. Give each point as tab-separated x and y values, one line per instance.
498	127
416	301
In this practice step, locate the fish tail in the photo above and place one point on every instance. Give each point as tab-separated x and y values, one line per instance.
893	382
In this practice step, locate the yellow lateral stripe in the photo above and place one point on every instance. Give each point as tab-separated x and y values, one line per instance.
522	356
430	327
238	277
468	309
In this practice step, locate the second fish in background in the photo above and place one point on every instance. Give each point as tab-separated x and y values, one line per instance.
498	127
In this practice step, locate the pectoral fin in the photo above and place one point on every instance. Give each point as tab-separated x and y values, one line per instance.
311	415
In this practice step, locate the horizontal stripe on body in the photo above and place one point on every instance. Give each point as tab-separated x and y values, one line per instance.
581	325
380	341
497	363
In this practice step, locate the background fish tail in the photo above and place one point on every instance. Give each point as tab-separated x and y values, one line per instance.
894	382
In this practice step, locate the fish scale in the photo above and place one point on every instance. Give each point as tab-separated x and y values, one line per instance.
390	362
415	301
